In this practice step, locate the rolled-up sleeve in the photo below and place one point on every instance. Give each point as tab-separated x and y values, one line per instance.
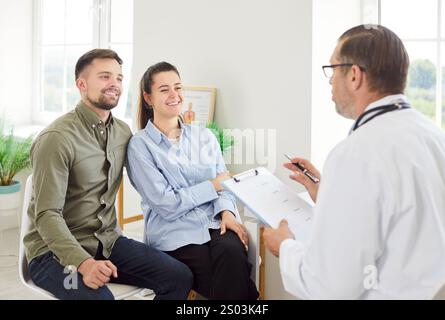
225	202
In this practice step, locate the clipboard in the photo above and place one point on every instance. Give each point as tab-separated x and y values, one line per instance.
270	200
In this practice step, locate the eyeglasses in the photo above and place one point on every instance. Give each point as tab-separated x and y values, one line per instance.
329	70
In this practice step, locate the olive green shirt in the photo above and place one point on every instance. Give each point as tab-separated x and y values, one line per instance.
77	167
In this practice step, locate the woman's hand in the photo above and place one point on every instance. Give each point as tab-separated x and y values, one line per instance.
229	222
218	179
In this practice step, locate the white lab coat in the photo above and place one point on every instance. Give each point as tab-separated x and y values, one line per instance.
380	215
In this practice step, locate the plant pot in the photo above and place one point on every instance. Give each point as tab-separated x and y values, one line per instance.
9	204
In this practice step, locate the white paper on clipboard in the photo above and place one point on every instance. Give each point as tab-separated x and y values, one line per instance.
271	200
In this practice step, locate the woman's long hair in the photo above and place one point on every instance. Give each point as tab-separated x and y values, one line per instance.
145	111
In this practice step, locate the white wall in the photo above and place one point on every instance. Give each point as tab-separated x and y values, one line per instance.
259	54
256	52
15	72
328	128
16	60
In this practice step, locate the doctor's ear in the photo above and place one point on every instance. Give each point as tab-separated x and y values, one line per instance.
356	77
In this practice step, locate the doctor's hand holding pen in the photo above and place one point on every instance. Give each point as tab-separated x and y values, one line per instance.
305	173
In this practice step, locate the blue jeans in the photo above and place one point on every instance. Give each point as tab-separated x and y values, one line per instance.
137	264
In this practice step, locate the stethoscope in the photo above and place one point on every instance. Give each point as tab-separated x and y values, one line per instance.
378	112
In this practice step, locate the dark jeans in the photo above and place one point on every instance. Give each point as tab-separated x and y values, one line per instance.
220	267
137	264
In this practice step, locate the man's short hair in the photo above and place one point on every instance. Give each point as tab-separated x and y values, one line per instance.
86	59
381	52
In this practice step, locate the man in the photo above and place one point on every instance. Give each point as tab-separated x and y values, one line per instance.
77	167
379	221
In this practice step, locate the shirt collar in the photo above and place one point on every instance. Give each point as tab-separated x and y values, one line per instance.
90	117
391	99
156	135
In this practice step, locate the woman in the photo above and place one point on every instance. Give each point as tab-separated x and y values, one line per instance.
178	169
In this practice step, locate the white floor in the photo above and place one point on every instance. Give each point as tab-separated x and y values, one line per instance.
10	286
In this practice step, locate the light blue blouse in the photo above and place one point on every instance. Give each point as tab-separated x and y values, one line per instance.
179	202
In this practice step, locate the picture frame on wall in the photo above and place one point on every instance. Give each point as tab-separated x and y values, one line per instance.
202	101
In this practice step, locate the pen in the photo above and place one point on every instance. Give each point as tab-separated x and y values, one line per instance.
305	171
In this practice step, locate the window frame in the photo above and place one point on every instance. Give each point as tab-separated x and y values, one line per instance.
101	38
439	40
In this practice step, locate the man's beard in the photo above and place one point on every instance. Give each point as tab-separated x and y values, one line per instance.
103	104
344	104
343	111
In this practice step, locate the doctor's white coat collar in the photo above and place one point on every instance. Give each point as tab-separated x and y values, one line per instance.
390	99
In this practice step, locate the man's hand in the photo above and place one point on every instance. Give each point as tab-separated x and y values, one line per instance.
297	175
274	237
218	179
229	222
96	273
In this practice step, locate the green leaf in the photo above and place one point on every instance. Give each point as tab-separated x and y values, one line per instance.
225	140
14	154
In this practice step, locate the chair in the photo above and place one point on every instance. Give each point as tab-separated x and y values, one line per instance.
256	252
120	291
122	221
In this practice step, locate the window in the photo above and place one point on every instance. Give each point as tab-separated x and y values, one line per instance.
65	30
327	127
422	29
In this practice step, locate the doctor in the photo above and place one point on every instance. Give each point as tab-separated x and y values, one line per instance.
380	207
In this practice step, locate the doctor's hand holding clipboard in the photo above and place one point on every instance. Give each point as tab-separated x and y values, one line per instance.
306	174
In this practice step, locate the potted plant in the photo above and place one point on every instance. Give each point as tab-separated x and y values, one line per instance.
225	140
14	157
